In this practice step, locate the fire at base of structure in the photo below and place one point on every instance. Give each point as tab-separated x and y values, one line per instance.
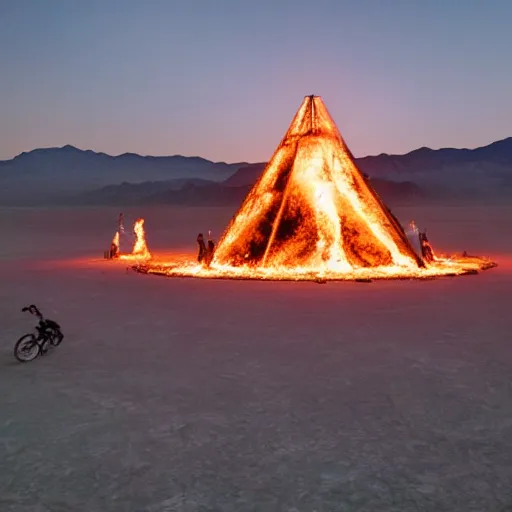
449	267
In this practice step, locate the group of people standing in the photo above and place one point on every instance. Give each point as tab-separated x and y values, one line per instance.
205	254
419	242
426	249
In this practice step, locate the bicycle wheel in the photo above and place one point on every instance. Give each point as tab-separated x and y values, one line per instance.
26	348
56	337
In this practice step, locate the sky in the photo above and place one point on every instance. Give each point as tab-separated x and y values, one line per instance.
222	79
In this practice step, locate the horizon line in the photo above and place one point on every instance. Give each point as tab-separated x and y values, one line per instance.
71	146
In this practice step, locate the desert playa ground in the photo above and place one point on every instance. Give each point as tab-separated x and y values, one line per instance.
211	395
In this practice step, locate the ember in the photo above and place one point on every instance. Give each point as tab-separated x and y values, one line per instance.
312	215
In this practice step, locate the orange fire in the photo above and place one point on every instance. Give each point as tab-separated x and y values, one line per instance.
115	240
114	247
140	249
313	215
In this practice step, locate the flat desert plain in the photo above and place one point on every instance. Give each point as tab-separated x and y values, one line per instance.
210	395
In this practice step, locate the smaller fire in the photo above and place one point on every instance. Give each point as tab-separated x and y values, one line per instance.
140	249
114	247
113	252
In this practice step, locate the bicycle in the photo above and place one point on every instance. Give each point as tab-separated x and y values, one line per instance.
29	346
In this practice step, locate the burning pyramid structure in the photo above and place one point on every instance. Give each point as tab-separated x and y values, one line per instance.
313	209
312	214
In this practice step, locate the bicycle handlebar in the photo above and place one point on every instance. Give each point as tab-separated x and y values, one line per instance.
32	309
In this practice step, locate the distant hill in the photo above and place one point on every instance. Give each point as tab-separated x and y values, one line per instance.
246	175
425	160
209	193
68	174
53	172
461	172
135	193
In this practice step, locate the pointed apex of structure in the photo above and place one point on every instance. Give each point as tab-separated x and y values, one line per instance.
312	118
312	209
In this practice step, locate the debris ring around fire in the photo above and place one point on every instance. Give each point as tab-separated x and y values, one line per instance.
448	268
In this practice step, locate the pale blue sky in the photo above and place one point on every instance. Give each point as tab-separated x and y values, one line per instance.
222	78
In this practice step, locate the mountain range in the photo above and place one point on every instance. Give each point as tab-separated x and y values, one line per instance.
70	175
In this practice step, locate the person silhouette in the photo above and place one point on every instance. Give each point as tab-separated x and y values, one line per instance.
202	248
210	249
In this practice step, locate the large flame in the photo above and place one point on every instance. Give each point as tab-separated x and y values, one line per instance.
140	249
312	208
312	214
